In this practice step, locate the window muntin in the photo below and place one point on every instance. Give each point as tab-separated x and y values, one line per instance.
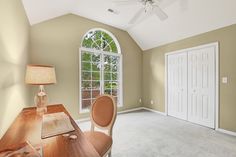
97	39
100	68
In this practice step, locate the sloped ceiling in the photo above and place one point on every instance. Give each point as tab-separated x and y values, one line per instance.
197	16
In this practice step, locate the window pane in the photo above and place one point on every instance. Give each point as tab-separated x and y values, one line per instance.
98	44
97	34
86	57
96	85
115	68
95	93
99	40
107	84
114	84
114	60
108	48
96	66
107	59
95	75
96	58
86	66
107	76
107	91
114	76
107	67
87	42
95	46
113	47
86	75
92	100
114	92
86	104
104	44
86	85
86	94
107	37
92	68
116	99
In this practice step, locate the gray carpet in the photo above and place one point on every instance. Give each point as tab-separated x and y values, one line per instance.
148	134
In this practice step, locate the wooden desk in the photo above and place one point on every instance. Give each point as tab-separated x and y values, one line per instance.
27	126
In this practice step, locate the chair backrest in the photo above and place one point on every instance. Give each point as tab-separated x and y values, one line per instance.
103	113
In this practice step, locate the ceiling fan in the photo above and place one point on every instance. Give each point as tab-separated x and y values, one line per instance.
148	7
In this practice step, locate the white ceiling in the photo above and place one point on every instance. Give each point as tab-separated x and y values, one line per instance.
197	16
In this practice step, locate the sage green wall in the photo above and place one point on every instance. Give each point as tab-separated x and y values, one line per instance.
14	37
57	42
154	72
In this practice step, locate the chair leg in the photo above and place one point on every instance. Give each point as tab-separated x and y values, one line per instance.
109	154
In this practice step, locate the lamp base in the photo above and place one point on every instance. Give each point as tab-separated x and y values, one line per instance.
41	110
40	100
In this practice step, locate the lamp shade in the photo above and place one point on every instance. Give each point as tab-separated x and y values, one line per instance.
40	75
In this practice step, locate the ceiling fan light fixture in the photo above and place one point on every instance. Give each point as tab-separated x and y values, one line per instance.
149	7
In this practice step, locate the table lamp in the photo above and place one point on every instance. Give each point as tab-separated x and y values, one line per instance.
40	75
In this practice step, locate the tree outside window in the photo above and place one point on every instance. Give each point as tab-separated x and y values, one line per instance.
100	68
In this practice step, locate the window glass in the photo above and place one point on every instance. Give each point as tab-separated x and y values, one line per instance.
100	68
99	40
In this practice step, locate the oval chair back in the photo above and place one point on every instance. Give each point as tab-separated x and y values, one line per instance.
103	113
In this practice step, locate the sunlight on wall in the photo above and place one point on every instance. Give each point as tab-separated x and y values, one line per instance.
157	71
13	91
154	80
13	29
14	39
15	101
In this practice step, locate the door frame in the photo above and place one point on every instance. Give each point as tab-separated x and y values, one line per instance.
216	46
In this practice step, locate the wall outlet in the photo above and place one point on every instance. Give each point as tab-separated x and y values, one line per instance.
140	100
224	80
152	102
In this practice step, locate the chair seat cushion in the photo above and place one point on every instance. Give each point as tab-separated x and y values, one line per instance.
101	142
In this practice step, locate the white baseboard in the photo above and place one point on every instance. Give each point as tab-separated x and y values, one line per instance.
131	110
82	120
121	112
152	110
226	131
161	113
218	129
142	108
127	111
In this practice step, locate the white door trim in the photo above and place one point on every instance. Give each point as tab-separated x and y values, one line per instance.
216	45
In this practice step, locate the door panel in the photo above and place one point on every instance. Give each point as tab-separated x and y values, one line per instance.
177	85
201	86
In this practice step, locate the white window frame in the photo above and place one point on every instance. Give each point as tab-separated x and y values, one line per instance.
102	53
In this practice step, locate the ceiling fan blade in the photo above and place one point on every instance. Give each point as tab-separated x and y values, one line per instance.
160	13
137	16
125	2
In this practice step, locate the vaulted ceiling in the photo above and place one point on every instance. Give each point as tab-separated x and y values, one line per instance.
196	17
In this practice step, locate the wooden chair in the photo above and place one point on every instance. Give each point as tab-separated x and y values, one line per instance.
103	114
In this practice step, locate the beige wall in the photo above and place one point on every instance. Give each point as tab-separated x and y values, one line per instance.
57	42
154	66
14	35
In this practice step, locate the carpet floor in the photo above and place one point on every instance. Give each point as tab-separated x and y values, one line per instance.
148	134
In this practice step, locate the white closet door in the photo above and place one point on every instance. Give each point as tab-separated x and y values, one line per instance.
177	85
201	86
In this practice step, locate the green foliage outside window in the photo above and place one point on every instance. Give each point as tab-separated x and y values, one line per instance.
99	40
92	62
91	70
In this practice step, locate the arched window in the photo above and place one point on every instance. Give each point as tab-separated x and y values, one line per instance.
100	67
